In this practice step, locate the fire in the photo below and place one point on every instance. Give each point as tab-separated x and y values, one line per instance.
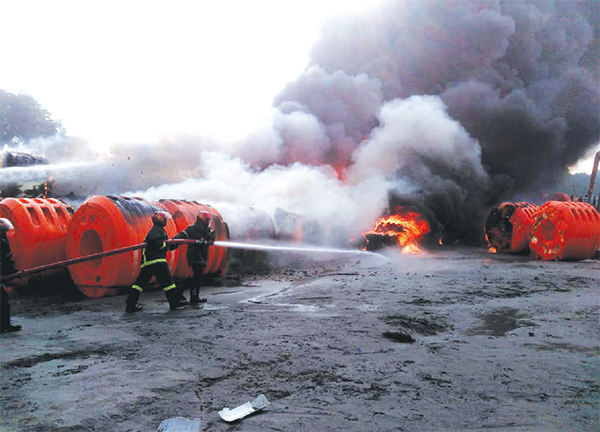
404	229
411	248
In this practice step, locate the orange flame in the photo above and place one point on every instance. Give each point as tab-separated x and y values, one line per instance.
407	227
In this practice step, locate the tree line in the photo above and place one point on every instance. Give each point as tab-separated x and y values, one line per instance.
22	118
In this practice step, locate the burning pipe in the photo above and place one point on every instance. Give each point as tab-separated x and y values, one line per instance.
403	229
508	226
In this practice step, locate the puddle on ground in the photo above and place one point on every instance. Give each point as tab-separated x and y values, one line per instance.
499	322
309	310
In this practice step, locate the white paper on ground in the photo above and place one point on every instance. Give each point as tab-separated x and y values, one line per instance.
243	410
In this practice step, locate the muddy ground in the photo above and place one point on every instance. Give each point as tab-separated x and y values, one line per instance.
501	343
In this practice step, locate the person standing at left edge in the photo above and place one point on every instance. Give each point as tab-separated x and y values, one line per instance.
7	266
154	263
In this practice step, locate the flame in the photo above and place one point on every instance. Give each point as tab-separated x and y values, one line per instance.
492	249
48	187
411	248
407	227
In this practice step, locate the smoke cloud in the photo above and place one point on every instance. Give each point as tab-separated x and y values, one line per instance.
445	106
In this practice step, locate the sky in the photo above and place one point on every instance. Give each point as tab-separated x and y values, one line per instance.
138	70
338	111
116	71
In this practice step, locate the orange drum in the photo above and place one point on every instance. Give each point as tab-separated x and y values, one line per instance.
104	223
508	226
40	232
184	214
565	231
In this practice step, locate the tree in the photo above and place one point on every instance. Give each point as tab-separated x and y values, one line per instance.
23	118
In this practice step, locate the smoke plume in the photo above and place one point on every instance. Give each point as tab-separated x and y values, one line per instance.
458	104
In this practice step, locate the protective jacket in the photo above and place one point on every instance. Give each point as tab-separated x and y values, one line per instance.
157	249
197	253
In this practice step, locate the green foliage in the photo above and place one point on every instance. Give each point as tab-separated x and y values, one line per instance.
23	118
577	185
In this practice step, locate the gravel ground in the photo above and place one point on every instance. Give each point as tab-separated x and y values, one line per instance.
456	340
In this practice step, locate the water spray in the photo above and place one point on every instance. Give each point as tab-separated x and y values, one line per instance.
295	248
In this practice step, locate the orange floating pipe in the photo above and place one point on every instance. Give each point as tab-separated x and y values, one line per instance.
508	226
565	231
40	233
184	214
105	223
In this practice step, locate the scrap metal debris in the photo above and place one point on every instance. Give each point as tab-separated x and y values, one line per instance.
179	424
243	410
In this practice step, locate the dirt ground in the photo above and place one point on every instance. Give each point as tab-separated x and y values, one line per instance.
453	340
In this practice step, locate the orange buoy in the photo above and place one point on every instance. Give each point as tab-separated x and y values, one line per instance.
565	231
40	232
508	226
104	223
184	214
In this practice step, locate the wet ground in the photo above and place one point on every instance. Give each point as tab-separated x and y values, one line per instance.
456	340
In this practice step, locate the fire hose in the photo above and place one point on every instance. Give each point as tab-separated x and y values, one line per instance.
91	257
226	244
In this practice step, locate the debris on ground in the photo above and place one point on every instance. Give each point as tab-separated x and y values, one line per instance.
243	410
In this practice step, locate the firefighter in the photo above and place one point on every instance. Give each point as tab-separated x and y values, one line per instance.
197	253
154	263
7	266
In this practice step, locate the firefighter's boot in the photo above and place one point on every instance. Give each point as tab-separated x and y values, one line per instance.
195	296
181	296
132	301
175	299
6	326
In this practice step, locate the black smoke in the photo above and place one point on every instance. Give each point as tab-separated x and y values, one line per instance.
458	103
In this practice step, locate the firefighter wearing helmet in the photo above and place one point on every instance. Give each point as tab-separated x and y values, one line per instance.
7	266
197	253
154	263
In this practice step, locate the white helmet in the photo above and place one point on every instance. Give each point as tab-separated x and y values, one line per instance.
6	225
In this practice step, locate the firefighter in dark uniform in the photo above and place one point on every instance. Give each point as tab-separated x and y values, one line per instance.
7	266
154	263
197	253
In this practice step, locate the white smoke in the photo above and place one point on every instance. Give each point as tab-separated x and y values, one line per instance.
416	139
315	193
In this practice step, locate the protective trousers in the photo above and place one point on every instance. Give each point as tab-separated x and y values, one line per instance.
165	281
5	311
196	282
5	325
